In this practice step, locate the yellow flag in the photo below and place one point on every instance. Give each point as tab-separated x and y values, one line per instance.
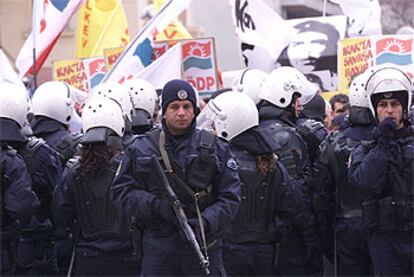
111	55
101	24
175	29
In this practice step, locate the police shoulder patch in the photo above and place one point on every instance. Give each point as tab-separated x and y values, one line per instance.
232	164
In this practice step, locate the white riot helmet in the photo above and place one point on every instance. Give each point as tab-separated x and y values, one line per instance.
98	114
357	89
117	92
13	103
143	95
234	113
357	93
53	100
282	83
389	82
250	82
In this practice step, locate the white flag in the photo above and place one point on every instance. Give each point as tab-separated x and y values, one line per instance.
137	55
49	20
262	31
364	16
7	73
165	68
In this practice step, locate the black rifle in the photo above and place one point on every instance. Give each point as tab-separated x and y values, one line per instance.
181	217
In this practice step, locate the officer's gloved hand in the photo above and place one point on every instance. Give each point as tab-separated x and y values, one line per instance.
194	224
385	129
164	209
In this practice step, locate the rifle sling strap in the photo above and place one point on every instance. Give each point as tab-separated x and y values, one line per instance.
180	182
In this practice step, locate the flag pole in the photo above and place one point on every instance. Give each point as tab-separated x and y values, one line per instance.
324	8
137	36
34	24
101	35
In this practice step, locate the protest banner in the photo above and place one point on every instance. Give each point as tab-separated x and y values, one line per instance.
7	73
199	64
175	30
313	49
72	72
165	68
111	55
101	24
358	54
95	70
159	48
49	20
263	33
138	53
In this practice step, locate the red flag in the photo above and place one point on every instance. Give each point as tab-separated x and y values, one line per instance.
49	19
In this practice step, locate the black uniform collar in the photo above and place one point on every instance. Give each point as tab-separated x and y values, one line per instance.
359	133
360	116
171	139
10	131
270	111
404	132
257	141
44	124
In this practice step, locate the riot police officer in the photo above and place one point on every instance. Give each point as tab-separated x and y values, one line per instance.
310	125
201	172
144	101
278	111
36	253
338	202
18	203
53	110
102	236
120	94
250	82
266	190
384	169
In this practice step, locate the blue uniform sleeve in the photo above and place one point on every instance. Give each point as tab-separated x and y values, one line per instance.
293	209
47	173
324	186
289	199
368	170
227	187
20	201
63	204
128	189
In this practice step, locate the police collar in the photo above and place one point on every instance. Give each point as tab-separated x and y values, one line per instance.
10	131
404	132
176	138
141	121
359	133
257	141
269	111
360	116
44	124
